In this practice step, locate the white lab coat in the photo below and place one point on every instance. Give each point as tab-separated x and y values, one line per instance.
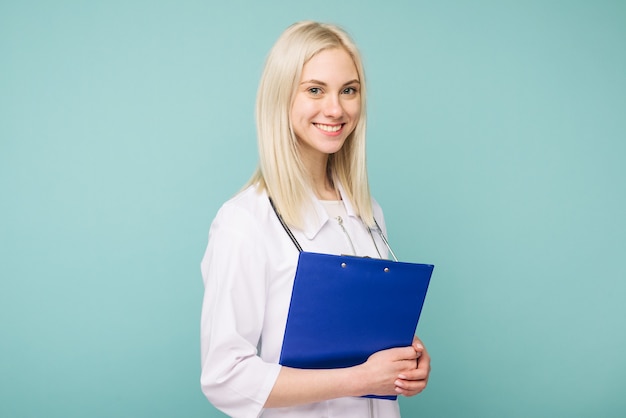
248	271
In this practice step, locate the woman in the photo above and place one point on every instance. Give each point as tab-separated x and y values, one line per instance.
311	138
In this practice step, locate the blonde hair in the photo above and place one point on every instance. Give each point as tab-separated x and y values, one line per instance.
281	172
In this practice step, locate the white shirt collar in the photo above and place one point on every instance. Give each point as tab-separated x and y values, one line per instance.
316	216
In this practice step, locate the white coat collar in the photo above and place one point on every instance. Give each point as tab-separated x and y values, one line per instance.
316	216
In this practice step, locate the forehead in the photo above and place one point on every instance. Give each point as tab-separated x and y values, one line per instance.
330	64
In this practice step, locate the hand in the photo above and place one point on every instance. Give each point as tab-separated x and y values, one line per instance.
381	371
413	381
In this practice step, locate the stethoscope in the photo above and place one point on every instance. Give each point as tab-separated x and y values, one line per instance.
369	230
382	237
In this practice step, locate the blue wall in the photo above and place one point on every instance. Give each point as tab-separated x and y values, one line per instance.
497	147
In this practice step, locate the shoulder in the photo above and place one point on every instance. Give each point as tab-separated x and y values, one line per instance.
247	211
250	200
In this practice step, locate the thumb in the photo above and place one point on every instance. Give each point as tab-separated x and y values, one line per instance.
418	347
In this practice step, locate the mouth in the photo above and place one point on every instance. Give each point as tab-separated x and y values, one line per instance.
329	128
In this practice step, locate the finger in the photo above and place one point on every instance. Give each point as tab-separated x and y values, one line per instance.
407	393
423	362
405	353
418	345
413	375
419	370
406	367
419	382
410	388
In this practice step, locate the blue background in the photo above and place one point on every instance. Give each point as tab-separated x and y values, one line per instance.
497	148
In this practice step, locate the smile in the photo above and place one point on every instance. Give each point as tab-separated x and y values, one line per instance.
328	128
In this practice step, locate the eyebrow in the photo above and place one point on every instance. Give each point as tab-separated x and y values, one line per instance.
321	83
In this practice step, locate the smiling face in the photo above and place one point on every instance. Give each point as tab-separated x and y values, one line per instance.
327	104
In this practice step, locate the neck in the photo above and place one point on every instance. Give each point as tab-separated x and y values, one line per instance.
327	192
323	186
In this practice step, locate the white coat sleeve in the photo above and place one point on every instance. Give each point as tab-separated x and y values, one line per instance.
234	378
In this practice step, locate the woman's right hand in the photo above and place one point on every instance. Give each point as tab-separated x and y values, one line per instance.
381	370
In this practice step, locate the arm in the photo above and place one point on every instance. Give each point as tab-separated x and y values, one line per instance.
377	376
234	378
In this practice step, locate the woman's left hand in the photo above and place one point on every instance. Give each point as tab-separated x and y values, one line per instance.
412	382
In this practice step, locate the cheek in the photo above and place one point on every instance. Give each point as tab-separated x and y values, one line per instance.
354	109
302	109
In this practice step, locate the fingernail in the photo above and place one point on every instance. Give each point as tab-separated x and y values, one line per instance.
401	376
419	347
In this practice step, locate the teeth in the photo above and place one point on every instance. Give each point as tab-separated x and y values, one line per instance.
328	128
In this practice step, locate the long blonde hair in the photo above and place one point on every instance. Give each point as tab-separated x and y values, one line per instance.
280	170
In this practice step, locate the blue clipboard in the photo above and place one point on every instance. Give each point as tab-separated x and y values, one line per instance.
344	308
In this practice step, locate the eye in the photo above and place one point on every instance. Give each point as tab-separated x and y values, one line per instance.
315	91
349	90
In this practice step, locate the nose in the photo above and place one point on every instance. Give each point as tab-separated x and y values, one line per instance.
333	107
